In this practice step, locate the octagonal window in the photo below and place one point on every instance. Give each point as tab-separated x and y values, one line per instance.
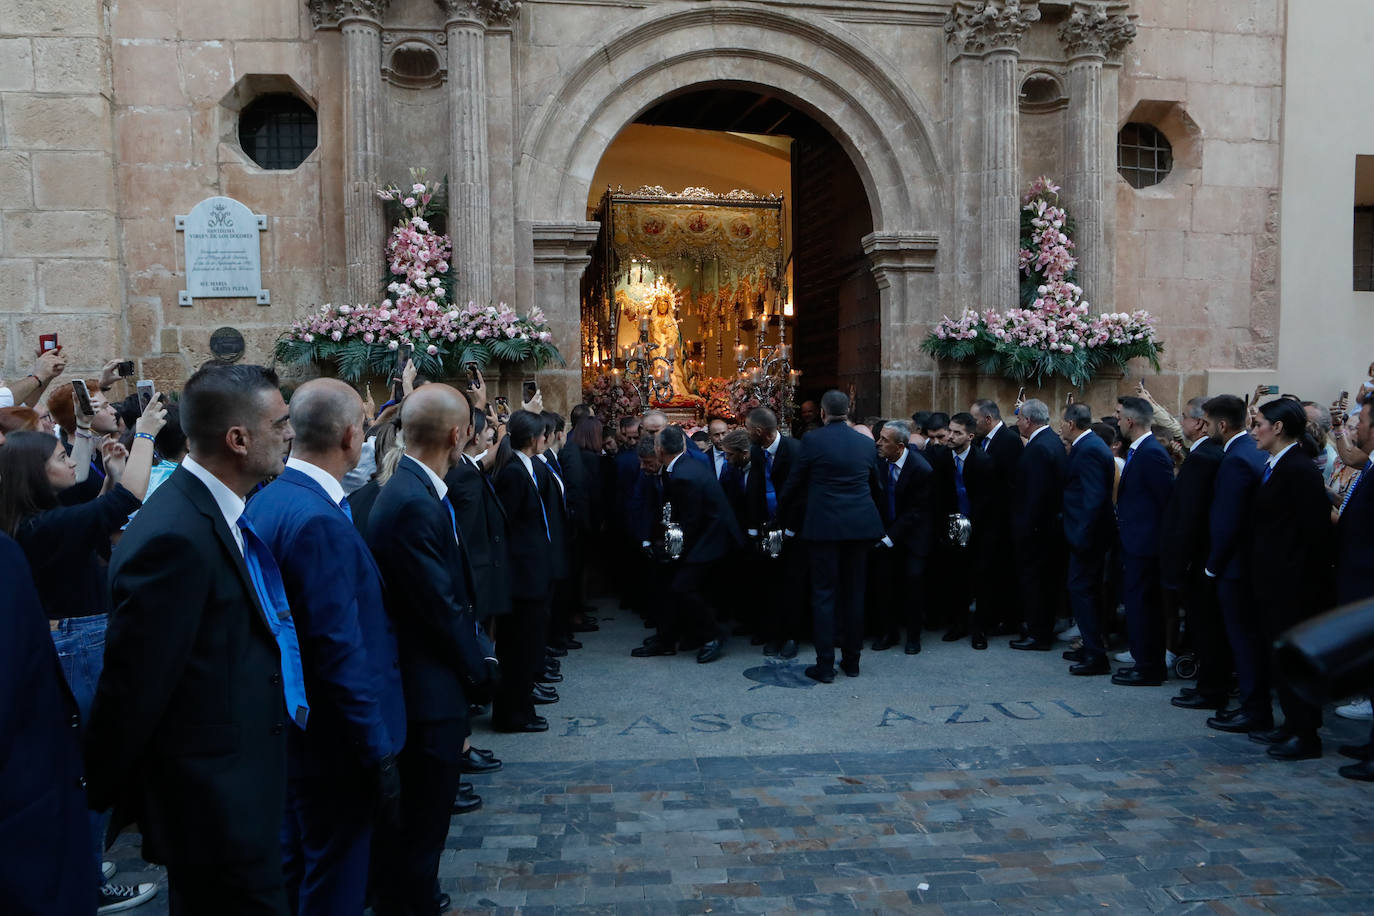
278	130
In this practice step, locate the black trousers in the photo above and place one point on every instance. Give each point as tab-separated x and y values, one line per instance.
1206	633
406	857
693	616
1299	716
1038	583
1144	611
838	570
1085	590
520	648
895	596
995	589
1239	613
782	602
227	889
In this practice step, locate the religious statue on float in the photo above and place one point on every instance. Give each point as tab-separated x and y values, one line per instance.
656	310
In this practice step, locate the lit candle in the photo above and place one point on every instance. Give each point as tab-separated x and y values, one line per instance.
615	376
644	325
672	353
785	351
739	353
795	376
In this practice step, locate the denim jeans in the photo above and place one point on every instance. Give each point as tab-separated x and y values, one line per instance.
80	643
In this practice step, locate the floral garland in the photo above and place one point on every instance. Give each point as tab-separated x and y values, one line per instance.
608	404
715	394
418	312
1052	332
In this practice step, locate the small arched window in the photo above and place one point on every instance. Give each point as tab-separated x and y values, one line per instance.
1144	156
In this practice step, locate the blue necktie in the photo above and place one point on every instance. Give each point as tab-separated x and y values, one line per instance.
1130	453
542	511
347	510
452	517
1268	470
554	471
266	579
1355	485
770	495
892	491
462	550
959	490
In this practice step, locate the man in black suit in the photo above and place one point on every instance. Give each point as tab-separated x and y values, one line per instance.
783	606
716	428
1037	528
996	602
202	666
837	476
414	536
899	559
1183	546
530	578
565	490
709	534
963	485
1355	564
1143	492
1090	528
1228	561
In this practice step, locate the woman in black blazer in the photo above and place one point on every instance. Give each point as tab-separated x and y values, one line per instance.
1291	542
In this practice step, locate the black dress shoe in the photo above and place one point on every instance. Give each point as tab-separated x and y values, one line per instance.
851	669
1197	700
1090	667
476	710
1363	771
1358	751
1030	644
466	788
710	651
442	903
771	649
980	641
1241	722
571	643
913	647
1134	677
481	752
789	649
653	646
586	626
537	724
555	651
1272	736
1297	747
954	634
883	643
1187	691
472	762
1073	655
543	697
824	675
466	803
550	677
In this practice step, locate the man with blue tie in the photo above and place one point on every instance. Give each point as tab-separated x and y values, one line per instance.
716	428
341	772
1089	529
1228	561
899	558
1142	495
784	608
1037	530
202	672
445	662
1355	564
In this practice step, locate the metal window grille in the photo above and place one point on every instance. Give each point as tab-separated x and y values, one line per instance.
1144	156
1364	249
278	131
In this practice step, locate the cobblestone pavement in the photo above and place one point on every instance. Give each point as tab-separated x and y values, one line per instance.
951	781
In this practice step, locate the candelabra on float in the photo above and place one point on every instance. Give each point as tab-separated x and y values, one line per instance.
650	376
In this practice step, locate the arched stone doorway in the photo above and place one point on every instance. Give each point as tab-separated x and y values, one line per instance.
832	76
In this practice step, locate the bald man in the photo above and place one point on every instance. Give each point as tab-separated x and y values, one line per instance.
348	654
444	662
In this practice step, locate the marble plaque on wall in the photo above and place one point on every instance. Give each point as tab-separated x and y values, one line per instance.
223	256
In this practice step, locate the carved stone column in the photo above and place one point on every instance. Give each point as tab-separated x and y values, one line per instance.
903	266
992	30
360	22
1093	33
562	252
469	172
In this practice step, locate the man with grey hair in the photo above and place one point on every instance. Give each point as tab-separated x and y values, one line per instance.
1090	528
1036	533
996	595
899	558
1182	557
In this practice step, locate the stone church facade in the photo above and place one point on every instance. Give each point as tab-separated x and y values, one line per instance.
117	116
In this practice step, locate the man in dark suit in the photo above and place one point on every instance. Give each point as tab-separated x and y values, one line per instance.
1090	529
414	536
565	485
341	772
1228	561
46	862
962	485
782	606
1183	542
899	558
482	520
709	534
838	477
1146	483
202	665
530	578
716	428
996	597
1037	528
1355	564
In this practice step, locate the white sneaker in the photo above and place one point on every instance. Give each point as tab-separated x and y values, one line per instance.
1126	657
1169	659
1358	709
107	870
1070	633
115	898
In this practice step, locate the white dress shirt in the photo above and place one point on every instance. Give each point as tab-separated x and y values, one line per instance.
1086	432
322	477
440	488
987	440
1038	431
1274	459
230	503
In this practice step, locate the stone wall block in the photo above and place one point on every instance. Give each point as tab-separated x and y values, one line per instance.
1234	112
69	65
16	180
293	194
78	286
21	291
1163	14
87	340
1260	17
1163	253
43	17
1242	165
88	234
1224	258
147	74
50	122
143	323
155	136
296	59
207	70
162	193
143	18
1230	209
151	246
1249	59
16	65
1172	54
273	19
73	180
